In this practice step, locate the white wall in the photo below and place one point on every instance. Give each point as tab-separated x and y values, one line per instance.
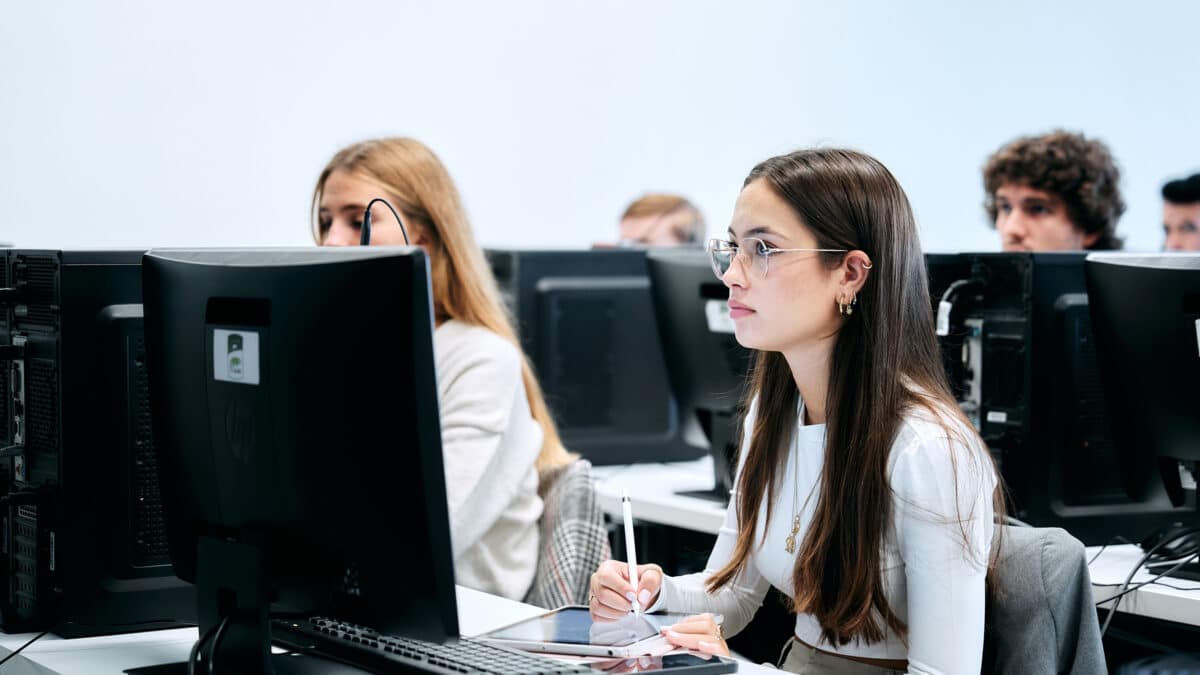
151	123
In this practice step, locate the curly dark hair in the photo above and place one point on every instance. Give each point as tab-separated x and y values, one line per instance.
1079	170
1183	191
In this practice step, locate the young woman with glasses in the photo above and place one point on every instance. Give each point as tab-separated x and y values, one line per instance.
862	492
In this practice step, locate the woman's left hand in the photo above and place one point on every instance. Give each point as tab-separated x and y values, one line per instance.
699	633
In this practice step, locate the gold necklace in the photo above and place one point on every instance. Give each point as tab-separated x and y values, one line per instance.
789	544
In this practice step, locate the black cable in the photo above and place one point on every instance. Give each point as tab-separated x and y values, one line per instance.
365	238
1129	579
18	649
195	653
1153	580
1108	543
216	644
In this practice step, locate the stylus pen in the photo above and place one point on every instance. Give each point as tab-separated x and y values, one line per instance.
630	551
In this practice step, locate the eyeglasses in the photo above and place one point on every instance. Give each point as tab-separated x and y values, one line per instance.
754	253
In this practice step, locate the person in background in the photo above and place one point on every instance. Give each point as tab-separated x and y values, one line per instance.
1181	214
497	433
661	220
1055	192
862	492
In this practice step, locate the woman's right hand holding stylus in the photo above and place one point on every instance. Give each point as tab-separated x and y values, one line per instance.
612	594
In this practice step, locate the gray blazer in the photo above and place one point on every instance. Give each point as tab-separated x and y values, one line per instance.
1044	620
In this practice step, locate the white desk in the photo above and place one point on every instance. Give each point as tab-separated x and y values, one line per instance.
477	613
652	489
1179	602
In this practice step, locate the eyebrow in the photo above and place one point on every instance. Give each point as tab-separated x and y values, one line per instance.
761	229
343	209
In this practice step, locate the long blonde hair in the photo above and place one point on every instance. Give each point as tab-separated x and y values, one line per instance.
419	186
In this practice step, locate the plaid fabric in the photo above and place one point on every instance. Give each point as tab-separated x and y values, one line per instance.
573	539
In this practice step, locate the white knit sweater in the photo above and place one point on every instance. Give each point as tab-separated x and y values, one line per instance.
490	444
934	554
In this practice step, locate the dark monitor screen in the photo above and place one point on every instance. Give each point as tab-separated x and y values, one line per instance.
299	444
706	365
1146	318
586	322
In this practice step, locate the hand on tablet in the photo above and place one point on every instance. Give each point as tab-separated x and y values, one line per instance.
700	633
612	595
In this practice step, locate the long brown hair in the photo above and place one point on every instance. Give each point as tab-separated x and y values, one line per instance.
417	183
885	362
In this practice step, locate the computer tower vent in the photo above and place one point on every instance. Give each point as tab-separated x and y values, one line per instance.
38	276
25	578
5	401
41	447
1090	448
149	541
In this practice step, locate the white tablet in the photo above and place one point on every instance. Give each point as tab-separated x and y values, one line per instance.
571	630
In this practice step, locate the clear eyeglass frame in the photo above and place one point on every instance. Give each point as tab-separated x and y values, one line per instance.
755	254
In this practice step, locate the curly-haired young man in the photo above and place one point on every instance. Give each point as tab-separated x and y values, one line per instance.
1055	192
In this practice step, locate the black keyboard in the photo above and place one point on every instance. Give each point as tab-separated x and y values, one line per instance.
364	647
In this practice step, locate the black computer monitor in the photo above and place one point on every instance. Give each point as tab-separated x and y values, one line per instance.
1146	317
1021	358
299	442
586	322
706	365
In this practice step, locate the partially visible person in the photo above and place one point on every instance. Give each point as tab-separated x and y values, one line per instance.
497	434
661	220
1181	214
1054	192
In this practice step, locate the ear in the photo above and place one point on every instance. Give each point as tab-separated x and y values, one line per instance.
1090	238
855	269
416	235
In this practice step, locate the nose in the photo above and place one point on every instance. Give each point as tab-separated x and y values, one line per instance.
1173	242
1012	227
736	274
340	234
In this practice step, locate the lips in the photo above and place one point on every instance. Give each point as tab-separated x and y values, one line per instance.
737	310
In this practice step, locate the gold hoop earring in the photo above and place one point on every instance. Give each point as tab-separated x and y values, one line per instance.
846	308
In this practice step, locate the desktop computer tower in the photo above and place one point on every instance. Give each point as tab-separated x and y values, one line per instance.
1021	359
5	391
84	543
586	322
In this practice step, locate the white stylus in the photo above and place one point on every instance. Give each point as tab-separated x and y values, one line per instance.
630	551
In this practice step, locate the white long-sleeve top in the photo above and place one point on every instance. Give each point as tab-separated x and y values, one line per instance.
490	445
934	558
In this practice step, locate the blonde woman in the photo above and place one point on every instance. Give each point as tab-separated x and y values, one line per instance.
497	434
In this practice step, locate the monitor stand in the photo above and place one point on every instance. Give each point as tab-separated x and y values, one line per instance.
721	428
231	586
